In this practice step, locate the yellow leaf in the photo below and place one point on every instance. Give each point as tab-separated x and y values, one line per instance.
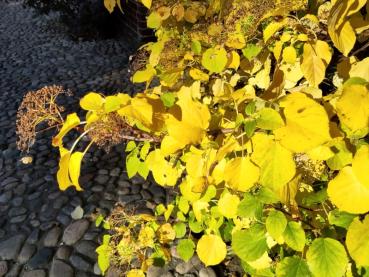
146	3
198	207
188	127
348	193
75	168
320	153
323	51
360	69
289	55
360	165
164	173
197	74
186	188
136	273
62	175
277	50
92	102
344	38
272	28
71	122
357	241
270	156
307	123
211	249
312	66
241	174
228	205
353	108
178	11
235	60
236	40
144	75
166	233
110	5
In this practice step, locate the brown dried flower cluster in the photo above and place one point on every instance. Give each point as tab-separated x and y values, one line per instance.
38	107
112	129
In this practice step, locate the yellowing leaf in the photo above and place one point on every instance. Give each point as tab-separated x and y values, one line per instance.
211	249
277	50
353	107
323	50
214	59
360	165
241	174
312	66
228	205
154	20
269	119
190	126
236	40
272	28
289	55
357	241
146	3
270	156
348	193
75	168
110	5
63	175
71	122
136	273
235	60
163	172
197	74
360	69
178	11
92	102
166	233
144	75
307	123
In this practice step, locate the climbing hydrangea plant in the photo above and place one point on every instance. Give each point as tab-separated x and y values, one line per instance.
260	119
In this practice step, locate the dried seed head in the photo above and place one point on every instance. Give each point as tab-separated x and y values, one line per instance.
38	107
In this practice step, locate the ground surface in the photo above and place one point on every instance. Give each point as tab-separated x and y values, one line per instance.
38	236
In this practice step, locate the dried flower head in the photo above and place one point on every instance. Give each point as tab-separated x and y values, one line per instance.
38	107
111	129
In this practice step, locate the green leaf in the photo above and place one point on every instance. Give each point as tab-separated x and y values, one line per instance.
104	251
185	249
132	165
294	236
168	99
357	241
196	47
250	108
143	170
269	119
180	229
293	267
327	257
160	209
153	20
250	127
99	220
215	59
144	150
250	206
130	146
342	156
194	225
251	51
341	219
276	224
250	244
183	205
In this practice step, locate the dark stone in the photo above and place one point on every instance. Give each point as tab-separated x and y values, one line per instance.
87	248
34	273
63	219
5	197
60	269
9	248
26	253
125	199
63	252
52	237
40	259
33	237
75	231
80	263
3	268
14	271
18	219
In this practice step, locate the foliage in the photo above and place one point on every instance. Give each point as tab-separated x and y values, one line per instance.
260	119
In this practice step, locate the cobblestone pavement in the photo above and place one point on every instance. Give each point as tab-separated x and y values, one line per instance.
38	236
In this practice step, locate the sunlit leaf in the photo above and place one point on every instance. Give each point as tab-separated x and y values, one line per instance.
71	122
357	241
92	102
214	59
211	249
294	236
228	205
75	168
276	223
293	267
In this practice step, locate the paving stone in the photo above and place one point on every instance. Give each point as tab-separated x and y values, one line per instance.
14	271
9	248
207	272
61	269
3	268
63	252
52	237
34	273
80	263
26	253
75	231
40	259
87	248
